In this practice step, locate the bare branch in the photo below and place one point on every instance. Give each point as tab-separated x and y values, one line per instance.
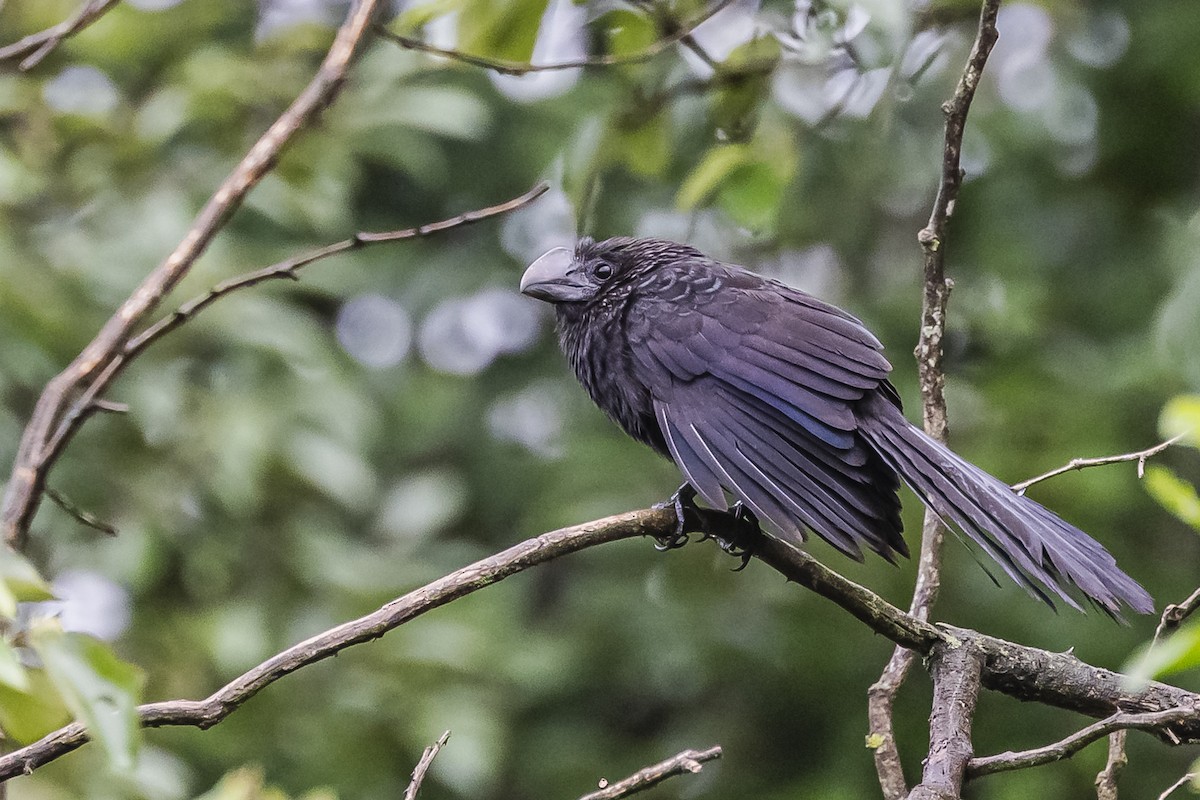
881	697
1082	463
1174	615
1027	673
956	670
506	67
1191	776
1048	754
73	391
418	774
290	269
36	46
689	761
1106	779
213	709
82	517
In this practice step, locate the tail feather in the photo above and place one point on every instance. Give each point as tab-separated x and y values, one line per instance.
1033	545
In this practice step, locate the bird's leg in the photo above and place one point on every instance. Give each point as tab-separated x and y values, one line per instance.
736	531
738	535
687	517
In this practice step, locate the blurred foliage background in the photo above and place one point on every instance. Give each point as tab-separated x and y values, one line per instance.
302	453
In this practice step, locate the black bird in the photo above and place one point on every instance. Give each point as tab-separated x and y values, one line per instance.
767	393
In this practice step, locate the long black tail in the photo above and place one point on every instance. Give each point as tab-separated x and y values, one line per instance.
1031	543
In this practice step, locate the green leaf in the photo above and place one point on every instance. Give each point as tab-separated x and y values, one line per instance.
1174	494
718	163
28	715
506	30
1178	652
19	582
627	32
100	689
11	672
642	144
752	195
412	19
743	83
1181	416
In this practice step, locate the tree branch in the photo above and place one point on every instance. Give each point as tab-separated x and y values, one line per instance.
73	391
881	697
1106	780
506	67
36	46
217	706
1186	778
689	761
1174	615
290	269
418	773
1048	754
956	672
1026	673
1082	463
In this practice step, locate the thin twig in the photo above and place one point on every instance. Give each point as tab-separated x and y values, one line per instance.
687	762
418	773
1174	615
81	516
1065	748
1106	779
1191	776
73	391
507	67
1026	673
881	697
36	46
1082	463
290	268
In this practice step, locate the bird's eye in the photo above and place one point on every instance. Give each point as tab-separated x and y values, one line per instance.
602	271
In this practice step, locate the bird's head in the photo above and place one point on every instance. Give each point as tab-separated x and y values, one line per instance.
598	268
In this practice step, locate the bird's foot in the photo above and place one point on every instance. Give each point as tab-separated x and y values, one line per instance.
688	517
737	533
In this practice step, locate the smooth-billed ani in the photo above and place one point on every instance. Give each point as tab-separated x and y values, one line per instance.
762	391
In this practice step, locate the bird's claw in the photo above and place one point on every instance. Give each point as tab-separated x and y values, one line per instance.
735	531
687	518
740	537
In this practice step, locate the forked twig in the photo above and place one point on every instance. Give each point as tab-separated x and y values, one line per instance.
33	48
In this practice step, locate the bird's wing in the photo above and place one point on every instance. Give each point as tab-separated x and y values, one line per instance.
754	391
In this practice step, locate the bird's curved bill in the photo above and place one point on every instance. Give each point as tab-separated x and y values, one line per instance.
555	278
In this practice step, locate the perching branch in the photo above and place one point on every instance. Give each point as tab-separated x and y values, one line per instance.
217	706
1082	463
1026	673
36	46
70	397
881	697
689	761
418	773
506	67
1003	762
